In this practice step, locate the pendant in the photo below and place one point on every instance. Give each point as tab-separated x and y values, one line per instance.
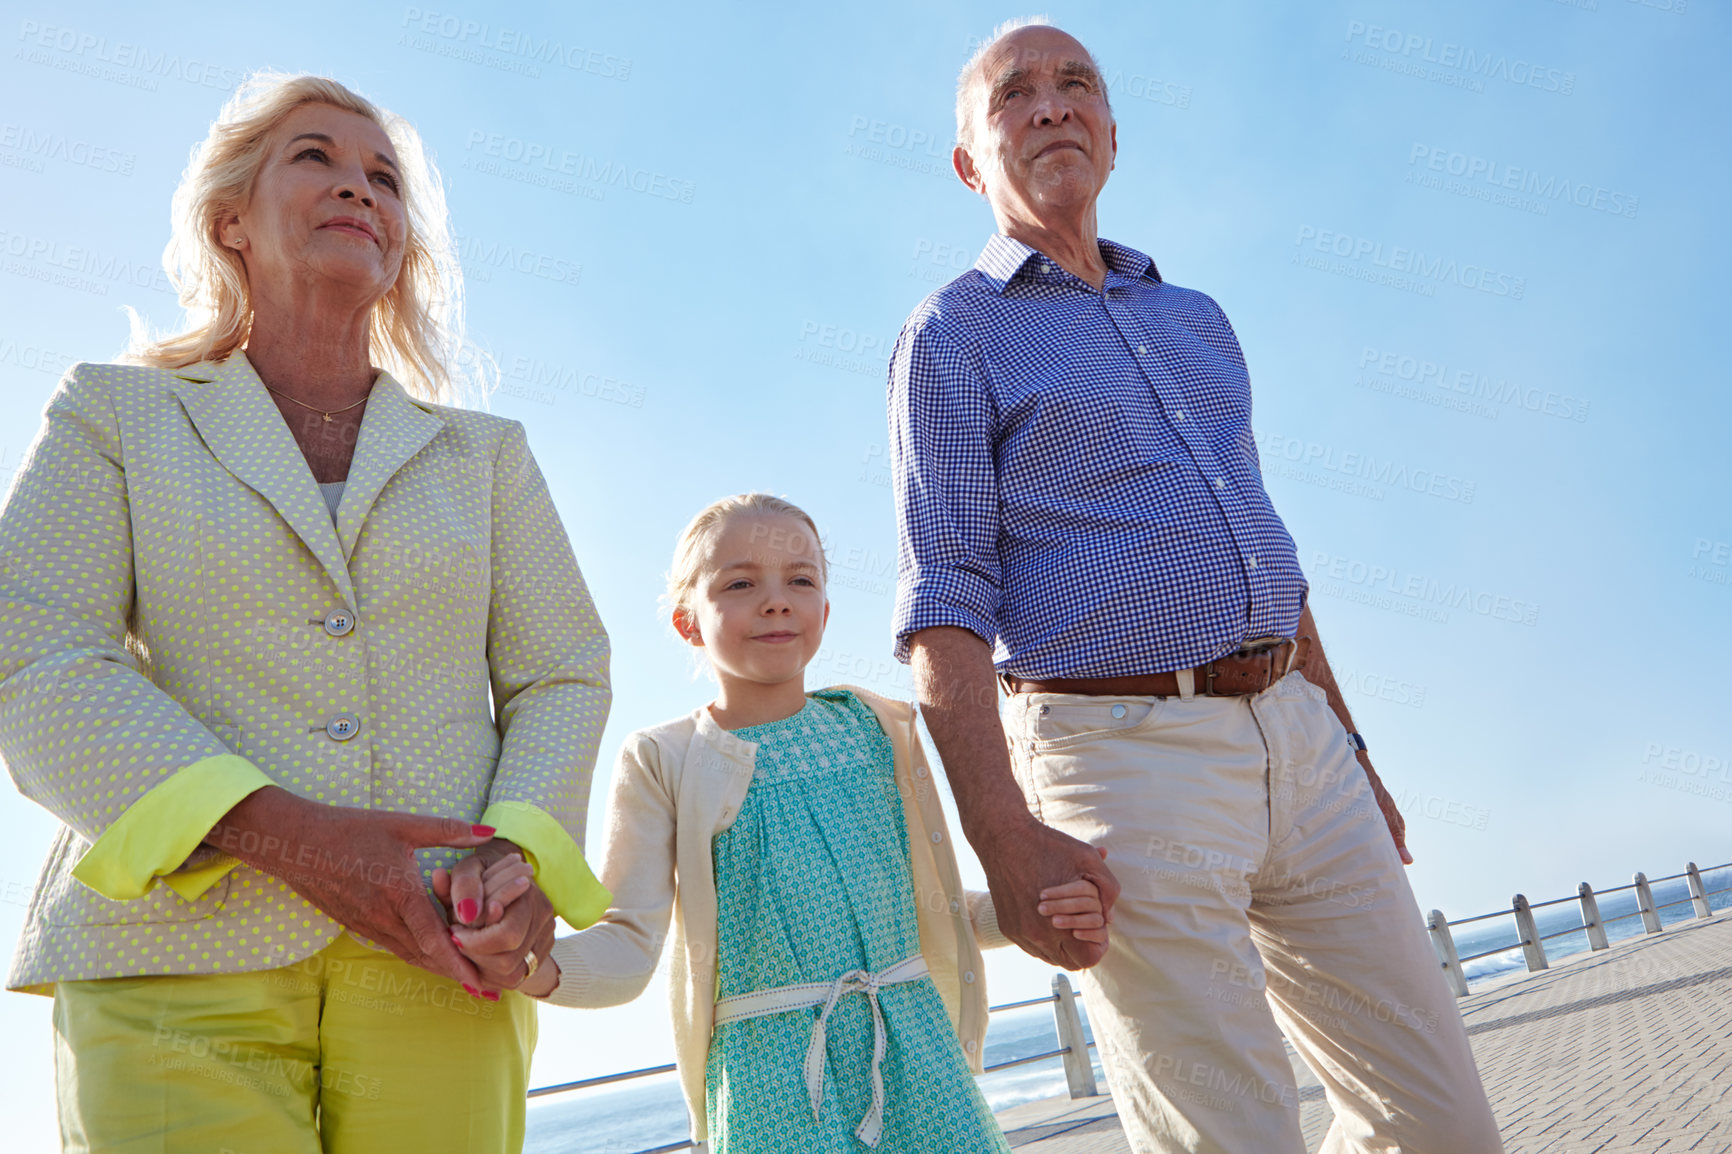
327	417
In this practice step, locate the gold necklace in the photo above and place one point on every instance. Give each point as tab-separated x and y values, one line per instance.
316	409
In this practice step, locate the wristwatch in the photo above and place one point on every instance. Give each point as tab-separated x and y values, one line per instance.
1356	743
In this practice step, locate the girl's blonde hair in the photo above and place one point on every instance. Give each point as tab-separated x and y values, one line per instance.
693	547
416	329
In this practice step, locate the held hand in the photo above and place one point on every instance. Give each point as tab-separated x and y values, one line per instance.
1025	863
476	891
507	880
499	949
1391	812
499	885
357	866
1076	906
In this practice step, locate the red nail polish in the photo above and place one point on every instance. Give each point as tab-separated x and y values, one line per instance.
466	910
481	830
491	996
471	990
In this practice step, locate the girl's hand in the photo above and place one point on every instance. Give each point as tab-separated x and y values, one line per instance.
1076	906
476	894
503	883
477	891
509	916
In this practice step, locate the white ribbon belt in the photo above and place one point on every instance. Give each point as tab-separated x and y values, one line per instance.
760	1003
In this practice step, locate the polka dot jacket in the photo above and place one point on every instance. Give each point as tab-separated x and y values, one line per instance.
182	620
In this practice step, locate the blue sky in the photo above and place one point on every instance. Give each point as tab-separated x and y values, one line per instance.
1470	251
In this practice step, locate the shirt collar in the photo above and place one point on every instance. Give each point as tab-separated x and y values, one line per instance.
1004	259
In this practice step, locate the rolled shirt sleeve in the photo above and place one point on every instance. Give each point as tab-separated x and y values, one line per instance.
548	660
84	732
945	484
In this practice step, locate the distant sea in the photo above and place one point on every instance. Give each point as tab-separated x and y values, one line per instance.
1493	932
647	1114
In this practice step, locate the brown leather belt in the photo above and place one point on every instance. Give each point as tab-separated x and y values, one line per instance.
1251	670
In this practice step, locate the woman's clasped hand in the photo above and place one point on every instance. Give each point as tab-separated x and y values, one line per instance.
500	920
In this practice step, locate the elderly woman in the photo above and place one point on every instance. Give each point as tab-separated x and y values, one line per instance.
256	586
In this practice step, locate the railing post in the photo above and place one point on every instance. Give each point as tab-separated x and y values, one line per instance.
1591	918
1645	903
1079	1068
1444	944
1532	948
1698	895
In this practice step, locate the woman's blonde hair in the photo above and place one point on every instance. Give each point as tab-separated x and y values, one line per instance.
693	547
416	329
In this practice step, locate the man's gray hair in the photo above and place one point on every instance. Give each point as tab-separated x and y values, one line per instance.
969	77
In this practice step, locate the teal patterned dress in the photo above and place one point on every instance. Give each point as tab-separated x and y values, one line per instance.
812	881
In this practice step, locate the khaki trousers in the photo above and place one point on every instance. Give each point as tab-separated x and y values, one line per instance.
1262	895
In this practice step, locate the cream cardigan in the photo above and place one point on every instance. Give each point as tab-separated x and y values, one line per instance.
675	787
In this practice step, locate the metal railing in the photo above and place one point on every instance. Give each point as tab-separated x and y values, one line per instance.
1079	1071
1532	943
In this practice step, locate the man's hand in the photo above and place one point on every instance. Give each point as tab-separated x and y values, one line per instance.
1076	906
357	866
1391	813
958	693
1033	858
1316	670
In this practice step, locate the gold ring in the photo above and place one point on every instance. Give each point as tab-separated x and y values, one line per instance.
530	962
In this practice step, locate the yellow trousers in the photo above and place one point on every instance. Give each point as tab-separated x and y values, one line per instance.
350	1051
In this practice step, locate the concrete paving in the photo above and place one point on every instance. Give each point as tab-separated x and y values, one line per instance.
1624	1051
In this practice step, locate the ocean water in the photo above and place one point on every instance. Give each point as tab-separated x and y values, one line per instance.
1481	936
650	1113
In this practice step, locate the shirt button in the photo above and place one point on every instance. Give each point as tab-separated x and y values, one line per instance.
937	837
971	1045
339	623
920	771
1250	562
955	906
1046	268
1141	349
1220	483
1119	712
1178	416
968	976
343	728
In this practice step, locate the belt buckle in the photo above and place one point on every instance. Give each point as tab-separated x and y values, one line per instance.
1271	647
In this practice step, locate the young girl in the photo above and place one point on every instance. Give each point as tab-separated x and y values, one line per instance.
826	976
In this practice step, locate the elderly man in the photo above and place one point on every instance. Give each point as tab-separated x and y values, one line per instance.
1080	504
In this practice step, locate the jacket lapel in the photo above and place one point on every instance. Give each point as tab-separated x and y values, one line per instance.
241	426
393	430
244	430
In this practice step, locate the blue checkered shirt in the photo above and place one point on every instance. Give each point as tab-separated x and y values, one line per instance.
1074	472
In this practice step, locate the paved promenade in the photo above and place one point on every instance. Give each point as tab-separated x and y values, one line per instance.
1625	1051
